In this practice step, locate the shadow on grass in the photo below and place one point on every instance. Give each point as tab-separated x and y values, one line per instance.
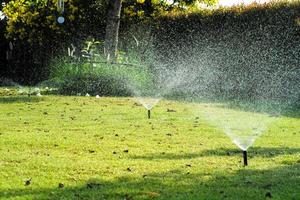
279	183
20	99
254	151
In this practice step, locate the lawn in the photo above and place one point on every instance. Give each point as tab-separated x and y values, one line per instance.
57	147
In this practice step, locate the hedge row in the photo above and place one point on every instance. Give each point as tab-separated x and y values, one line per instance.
251	52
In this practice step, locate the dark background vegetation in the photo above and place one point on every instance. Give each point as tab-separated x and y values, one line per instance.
30	63
3	47
252	50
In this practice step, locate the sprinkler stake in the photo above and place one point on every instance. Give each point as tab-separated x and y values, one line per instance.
149	114
245	158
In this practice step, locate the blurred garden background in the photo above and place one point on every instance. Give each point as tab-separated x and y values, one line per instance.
231	42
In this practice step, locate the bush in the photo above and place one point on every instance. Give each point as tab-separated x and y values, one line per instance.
73	78
7	82
95	84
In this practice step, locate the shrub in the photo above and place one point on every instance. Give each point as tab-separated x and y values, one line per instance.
72	78
6	82
95	84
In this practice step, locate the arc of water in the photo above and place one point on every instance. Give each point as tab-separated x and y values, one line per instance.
148	102
243	128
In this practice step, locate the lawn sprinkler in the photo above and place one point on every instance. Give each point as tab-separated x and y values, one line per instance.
245	158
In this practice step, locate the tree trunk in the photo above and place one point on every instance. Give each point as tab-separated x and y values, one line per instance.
112	30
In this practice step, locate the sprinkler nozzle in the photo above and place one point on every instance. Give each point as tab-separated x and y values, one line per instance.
245	158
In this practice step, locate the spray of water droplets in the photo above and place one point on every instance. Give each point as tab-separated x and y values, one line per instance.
243	71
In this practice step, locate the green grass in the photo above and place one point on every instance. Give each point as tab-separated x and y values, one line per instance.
82	142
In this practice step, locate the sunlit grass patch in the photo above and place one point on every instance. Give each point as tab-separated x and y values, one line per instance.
86	148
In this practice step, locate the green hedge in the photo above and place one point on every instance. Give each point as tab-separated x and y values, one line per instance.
73	78
95	84
243	52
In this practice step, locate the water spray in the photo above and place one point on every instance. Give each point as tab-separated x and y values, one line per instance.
242	127
148	103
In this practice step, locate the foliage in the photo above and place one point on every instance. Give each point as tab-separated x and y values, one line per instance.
145	10
35	21
36	35
6	82
31	21
91	48
93	21
73	77
94	84
243	52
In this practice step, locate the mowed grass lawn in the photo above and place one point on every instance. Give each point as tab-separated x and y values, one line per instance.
56	147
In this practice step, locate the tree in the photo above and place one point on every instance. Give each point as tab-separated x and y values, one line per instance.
136	8
36	21
36	35
112	30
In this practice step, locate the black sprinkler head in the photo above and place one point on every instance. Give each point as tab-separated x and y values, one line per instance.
245	158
